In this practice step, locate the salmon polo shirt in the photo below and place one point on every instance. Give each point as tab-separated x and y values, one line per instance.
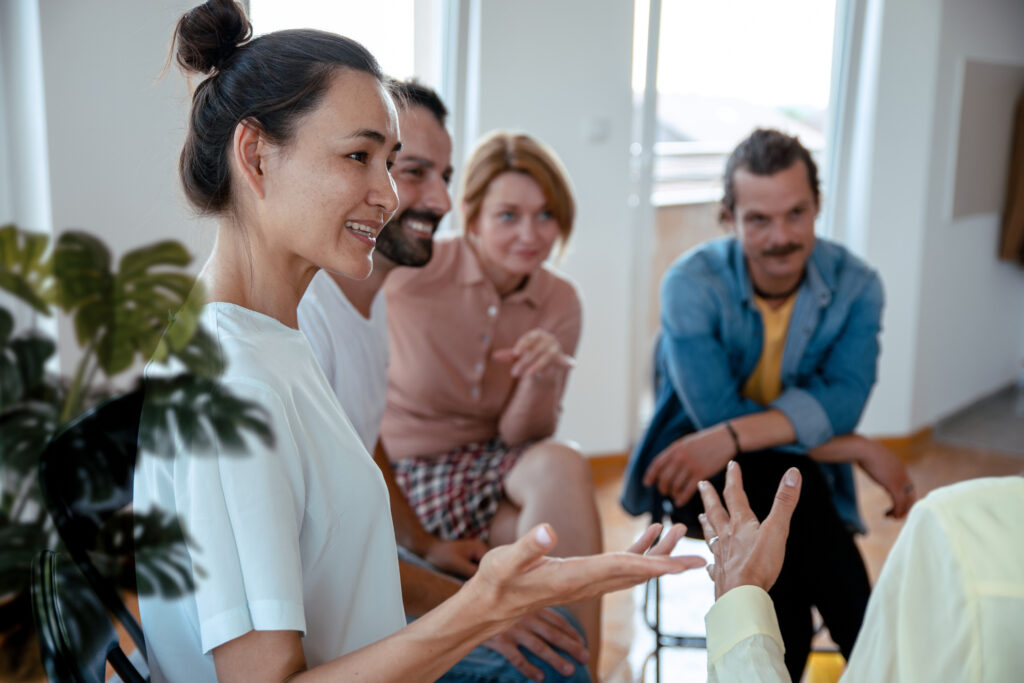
445	320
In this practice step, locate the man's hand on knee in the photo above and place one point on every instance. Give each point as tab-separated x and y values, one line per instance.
677	469
878	462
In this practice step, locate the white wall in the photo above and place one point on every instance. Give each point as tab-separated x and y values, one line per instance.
114	128
954	323
559	70
953	316
970	309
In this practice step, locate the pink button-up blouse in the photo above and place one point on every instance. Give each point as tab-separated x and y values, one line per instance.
444	321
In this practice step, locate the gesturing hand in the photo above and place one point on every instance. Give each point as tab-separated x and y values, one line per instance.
536	354
541	632
460	557
746	551
520	578
677	469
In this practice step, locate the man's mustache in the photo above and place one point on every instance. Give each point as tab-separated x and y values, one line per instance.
783	250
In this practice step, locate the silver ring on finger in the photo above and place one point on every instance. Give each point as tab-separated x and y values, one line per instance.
711	543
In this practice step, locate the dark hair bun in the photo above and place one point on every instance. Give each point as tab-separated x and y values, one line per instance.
207	35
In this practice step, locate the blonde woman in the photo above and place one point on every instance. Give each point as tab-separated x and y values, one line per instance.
482	345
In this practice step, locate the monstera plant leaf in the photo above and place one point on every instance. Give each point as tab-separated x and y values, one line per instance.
203	412
124	313
25	429
25	269
190	344
146	552
22	364
11	386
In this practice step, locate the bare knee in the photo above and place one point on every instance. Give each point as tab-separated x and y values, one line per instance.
551	465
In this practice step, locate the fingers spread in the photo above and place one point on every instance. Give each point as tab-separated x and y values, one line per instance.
642	544
735	496
668	542
713	508
786	498
705	525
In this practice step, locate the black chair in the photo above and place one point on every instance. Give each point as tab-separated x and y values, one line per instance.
76	636
652	618
662	512
86	475
652	590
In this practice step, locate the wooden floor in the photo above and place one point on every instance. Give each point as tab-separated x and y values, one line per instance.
686	599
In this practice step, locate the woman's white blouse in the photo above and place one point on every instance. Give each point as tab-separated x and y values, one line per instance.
294	536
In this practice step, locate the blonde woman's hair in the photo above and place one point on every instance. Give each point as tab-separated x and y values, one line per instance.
503	151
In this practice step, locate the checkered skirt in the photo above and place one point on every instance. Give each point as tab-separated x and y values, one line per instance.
455	494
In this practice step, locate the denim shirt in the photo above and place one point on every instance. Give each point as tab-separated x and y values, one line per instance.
711	339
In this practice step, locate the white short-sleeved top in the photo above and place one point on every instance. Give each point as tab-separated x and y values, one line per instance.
352	351
296	536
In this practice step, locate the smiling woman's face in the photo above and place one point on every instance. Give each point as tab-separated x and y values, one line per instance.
515	230
328	190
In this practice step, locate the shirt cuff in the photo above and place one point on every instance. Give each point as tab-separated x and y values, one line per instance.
742	613
256	615
810	421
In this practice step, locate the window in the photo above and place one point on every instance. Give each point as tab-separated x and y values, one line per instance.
724	68
399	33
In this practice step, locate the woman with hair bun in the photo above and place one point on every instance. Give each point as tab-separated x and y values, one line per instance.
291	543
482	343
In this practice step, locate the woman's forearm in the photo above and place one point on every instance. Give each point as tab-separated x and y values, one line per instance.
422	651
532	412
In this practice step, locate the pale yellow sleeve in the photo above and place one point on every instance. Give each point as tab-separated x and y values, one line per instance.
744	642
918	626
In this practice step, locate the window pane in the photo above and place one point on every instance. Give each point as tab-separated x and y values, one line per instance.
727	67
385	27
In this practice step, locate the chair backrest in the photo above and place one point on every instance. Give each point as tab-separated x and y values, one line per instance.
76	636
86	475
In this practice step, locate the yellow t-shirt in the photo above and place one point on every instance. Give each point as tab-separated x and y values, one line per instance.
765	383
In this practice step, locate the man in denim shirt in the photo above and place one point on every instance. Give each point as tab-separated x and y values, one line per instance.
767	354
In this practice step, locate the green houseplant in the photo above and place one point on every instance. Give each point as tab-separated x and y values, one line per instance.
146	308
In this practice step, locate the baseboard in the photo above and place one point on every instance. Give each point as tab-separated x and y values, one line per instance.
607	466
907	448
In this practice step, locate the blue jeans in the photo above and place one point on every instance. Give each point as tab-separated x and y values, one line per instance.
483	664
